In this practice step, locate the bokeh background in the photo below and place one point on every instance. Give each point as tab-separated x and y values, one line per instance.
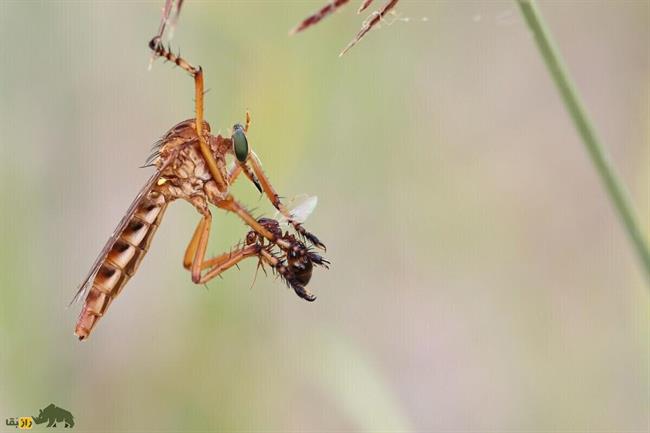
480	280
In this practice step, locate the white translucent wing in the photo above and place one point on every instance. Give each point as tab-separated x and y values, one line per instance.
300	207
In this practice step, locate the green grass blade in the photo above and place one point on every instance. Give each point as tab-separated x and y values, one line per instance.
612	184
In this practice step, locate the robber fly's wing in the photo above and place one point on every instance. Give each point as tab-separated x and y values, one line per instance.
85	285
300	207
170	18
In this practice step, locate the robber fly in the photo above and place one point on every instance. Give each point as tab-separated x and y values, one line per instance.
190	164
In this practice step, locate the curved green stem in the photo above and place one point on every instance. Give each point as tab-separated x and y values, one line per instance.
586	130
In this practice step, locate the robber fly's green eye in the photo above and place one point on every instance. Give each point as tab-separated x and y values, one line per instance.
239	143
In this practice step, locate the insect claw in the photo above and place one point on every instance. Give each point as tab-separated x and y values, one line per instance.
258	186
319	260
315	241
303	292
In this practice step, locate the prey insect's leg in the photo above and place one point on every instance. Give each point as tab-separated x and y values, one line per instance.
277	203
231	205
226	261
197	73
287	275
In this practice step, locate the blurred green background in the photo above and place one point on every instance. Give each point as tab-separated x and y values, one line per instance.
480	279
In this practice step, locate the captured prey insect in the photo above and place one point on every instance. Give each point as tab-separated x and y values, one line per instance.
294	266
332	6
190	164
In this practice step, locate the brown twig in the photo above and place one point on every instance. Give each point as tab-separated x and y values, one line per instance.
374	20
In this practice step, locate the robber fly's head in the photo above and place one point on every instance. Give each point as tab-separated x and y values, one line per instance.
239	143
241	150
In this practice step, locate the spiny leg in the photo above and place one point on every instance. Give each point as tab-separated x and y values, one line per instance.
274	198
197	73
230	204
194	258
226	261
237	169
257	168
269	190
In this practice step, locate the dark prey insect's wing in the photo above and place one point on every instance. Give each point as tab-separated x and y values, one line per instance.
85	286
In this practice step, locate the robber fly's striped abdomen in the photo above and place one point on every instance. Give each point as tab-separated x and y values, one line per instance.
121	257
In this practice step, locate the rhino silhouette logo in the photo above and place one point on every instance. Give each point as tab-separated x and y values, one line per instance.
53	415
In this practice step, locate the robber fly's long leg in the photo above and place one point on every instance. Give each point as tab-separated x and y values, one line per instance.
197	73
194	258
190	251
195	252
226	261
274	198
234	173
237	169
231	205
259	178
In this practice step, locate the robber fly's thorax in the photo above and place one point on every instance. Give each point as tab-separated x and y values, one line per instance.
188	176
